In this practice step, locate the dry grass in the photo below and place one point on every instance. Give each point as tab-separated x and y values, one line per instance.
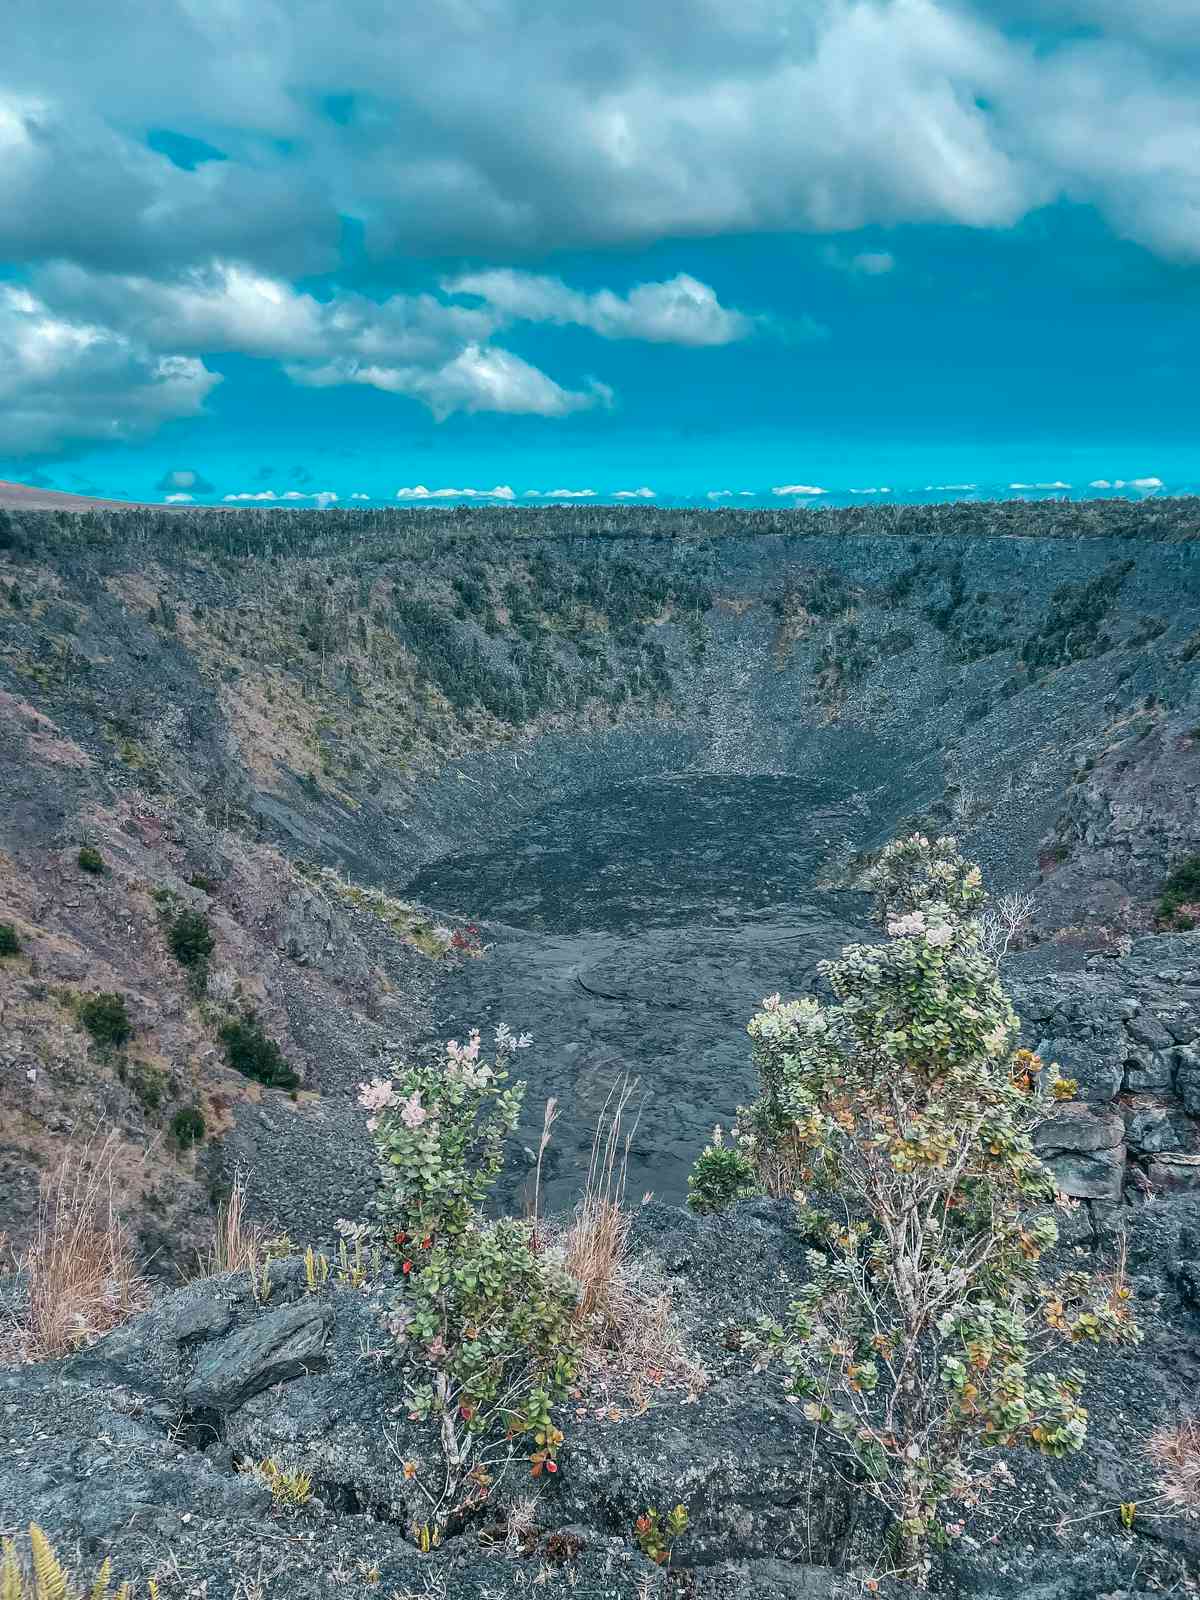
239	1245
1175	1452
81	1266
630	1342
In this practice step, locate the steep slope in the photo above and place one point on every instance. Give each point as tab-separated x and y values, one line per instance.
225	705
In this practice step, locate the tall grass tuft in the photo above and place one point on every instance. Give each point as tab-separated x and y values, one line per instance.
81	1266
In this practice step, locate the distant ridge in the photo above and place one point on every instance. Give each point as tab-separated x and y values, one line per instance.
24	497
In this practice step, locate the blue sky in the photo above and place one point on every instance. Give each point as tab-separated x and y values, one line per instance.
712	249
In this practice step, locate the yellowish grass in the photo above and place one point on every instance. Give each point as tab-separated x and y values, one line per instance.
82	1267
239	1245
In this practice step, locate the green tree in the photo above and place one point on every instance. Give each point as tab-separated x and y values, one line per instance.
925	1333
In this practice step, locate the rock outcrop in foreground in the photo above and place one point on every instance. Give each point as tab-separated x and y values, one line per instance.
135	1446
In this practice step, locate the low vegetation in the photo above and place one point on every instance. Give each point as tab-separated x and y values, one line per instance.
106	1017
82	1269
10	943
190	938
484	1321
90	860
1179	905
248	1050
44	1577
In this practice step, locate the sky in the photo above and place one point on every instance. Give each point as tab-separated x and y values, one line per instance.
336	252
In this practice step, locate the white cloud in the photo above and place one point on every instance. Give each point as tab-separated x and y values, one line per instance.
680	311
883	490
414	345
569	494
799	488
946	487
66	382
323	497
719	494
178	499
863	264
698	119
635	494
1145	483
1057	484
358	496
1021	486
502	491
479	378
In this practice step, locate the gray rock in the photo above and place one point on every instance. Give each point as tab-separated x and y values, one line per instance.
276	1346
1175	1172
1149	1129
1187	1078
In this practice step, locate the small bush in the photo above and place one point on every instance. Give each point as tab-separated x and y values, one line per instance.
484	1318
720	1176
188	1126
91	860
1180	895
250	1052
148	1083
106	1018
10	944
190	938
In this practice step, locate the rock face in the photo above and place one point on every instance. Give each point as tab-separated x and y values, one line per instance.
1123	1028
145	1445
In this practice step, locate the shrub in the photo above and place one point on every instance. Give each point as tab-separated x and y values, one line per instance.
188	1126
190	938
721	1175
249	1051
484	1319
106	1018
918	1341
45	1578
90	859
10	944
1181	895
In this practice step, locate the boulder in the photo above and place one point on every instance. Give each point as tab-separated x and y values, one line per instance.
1085	1149
276	1346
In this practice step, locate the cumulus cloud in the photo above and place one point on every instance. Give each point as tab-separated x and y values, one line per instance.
799	489
502	491
179	499
702	118
430	350
65	382
1126	483
680	311
323	497
184	478
635	494
359	496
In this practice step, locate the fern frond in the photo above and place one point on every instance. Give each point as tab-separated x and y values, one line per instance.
10	1574
50	1581
99	1589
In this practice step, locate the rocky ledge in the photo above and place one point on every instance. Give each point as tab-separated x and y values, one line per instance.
140	1446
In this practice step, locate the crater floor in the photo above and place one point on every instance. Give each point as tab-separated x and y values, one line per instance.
634	930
